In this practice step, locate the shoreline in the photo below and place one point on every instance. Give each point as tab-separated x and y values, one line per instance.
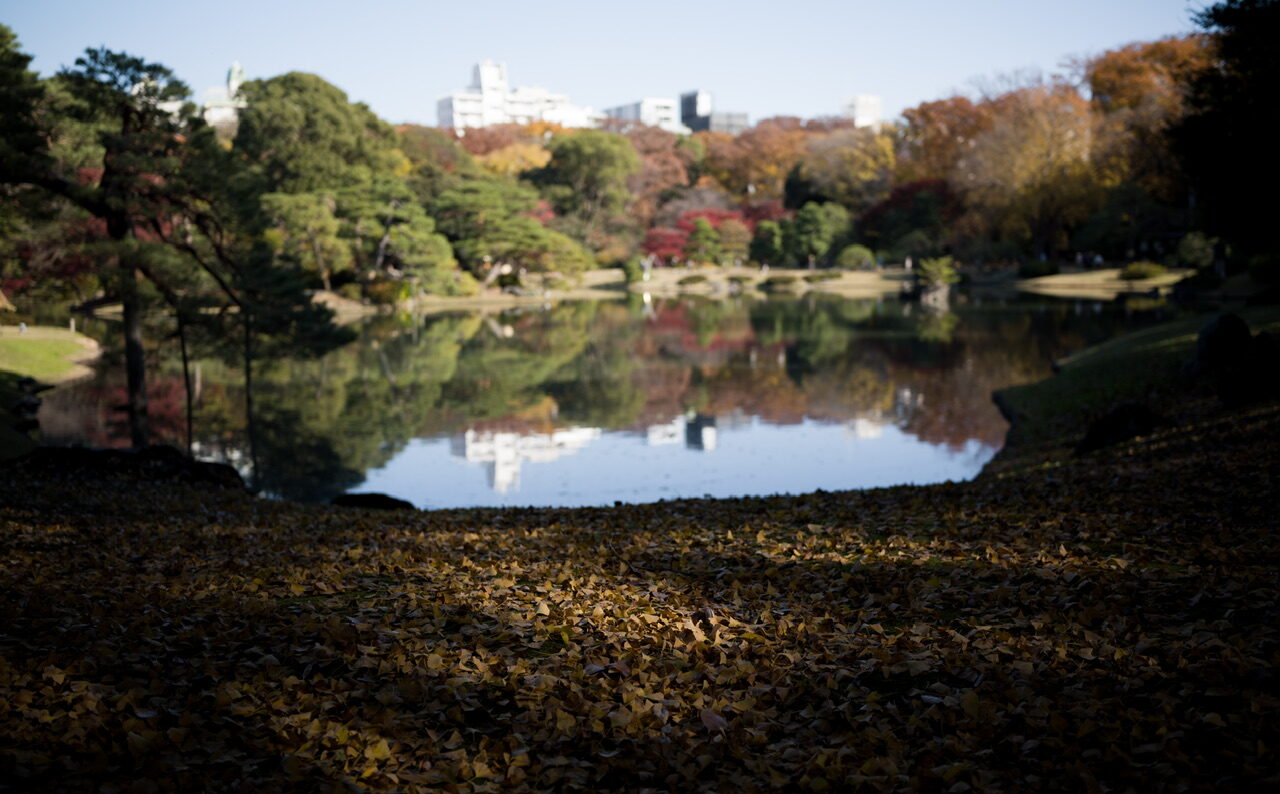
611	284
721	282
1102	284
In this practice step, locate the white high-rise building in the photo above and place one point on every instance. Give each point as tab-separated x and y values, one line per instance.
490	100
663	113
866	110
222	104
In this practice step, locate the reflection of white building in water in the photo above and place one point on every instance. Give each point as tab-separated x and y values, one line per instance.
906	403
505	452
661	435
864	428
700	433
696	432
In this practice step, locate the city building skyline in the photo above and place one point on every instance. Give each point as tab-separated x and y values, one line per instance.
221	104
757	60
490	99
698	113
865	110
663	113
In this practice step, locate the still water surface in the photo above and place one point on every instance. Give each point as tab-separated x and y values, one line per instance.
590	403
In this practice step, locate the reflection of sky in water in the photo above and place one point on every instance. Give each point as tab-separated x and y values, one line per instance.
583	466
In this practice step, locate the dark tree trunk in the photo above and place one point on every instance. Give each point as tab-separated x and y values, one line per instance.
252	425
186	376
135	364
321	264
380	258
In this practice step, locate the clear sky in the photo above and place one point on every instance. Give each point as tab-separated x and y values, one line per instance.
767	58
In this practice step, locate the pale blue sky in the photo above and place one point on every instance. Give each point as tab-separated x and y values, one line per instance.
792	57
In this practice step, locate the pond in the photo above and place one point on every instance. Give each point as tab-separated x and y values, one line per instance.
634	401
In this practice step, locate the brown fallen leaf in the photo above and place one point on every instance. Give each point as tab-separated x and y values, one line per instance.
713	721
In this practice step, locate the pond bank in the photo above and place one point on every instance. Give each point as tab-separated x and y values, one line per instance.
1104	284
1103	620
47	354
611	284
729	280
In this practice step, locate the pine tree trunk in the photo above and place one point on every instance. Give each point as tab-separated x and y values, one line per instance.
252	426
135	364
186	377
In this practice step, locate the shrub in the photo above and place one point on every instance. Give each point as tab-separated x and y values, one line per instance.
938	271
1034	268
1144	303
1264	268
1195	251
386	292
350	291
451	283
696	278
915	244
826	275
1137	271
775	283
856	257
632	270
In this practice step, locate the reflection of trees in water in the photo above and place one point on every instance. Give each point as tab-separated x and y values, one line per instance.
85	413
615	366
502	375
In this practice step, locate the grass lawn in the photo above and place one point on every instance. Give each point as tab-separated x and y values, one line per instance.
42	359
1145	365
44	353
1102	284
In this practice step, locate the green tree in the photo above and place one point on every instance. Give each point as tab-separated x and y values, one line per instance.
164	186
468	211
23	141
391	231
437	161
856	257
131	103
28	215
491	220
937	272
304	135
703	244
305	229
813	231
587	176
767	246
1228	137
735	240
